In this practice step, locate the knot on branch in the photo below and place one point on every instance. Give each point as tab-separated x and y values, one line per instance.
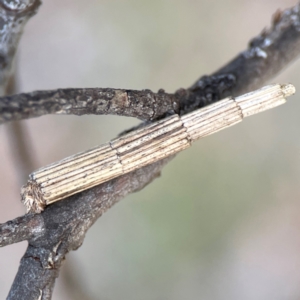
206	90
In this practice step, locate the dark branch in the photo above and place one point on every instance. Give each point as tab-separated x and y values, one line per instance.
66	222
266	56
144	105
13	17
20	229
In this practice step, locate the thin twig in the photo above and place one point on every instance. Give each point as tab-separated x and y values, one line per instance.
144	105
21	229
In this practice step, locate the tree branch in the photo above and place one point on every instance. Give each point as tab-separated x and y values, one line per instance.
65	228
144	105
20	229
267	55
66	222
13	17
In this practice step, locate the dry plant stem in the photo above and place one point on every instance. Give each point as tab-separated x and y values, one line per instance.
143	146
66	222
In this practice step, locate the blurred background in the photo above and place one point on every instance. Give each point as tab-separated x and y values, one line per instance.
222	222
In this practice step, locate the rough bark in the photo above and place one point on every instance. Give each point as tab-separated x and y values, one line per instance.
266	56
13	17
144	105
63	225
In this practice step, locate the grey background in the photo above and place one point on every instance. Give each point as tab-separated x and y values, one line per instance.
222	222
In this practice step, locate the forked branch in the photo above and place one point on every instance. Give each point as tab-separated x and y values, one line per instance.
62	226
